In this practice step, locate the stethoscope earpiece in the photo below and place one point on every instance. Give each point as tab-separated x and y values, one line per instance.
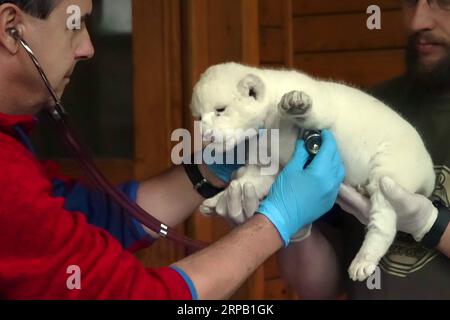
14	33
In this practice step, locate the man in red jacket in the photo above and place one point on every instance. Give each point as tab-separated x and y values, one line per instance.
51	226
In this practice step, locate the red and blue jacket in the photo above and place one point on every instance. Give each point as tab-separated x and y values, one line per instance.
50	223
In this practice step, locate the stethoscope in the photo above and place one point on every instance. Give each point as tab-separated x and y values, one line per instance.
59	116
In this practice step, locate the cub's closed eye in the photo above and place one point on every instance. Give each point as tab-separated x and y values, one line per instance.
221	109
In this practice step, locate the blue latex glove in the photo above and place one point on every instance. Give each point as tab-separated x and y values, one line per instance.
224	171
300	196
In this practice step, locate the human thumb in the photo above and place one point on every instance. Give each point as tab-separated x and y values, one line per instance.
299	158
392	191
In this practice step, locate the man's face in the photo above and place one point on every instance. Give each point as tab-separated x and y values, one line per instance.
57	47
428	48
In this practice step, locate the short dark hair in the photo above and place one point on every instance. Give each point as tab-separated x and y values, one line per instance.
37	8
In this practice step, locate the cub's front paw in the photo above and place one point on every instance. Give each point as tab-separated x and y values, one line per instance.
295	103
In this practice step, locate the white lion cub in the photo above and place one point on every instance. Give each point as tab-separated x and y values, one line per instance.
374	141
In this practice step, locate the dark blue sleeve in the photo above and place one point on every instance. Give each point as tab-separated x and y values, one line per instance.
102	212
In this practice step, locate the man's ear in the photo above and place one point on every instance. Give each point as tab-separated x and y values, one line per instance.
10	17
252	86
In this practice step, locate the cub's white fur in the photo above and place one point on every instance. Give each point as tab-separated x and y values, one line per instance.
374	141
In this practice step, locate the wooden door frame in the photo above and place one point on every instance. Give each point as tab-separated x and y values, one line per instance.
158	100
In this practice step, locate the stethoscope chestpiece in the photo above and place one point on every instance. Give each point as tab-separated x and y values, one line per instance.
313	141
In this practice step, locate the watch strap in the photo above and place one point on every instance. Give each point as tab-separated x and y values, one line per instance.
200	183
433	237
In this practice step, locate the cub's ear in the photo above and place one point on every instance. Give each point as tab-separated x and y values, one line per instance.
252	86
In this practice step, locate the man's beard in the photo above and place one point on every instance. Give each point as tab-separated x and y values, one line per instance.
434	77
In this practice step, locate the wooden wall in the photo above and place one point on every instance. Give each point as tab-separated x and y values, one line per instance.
330	39
276	33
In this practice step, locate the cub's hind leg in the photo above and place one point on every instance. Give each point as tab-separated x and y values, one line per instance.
381	232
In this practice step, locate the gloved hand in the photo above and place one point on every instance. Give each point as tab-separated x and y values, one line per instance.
239	204
415	213
300	196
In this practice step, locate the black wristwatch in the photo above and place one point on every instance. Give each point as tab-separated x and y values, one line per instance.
433	237
203	186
